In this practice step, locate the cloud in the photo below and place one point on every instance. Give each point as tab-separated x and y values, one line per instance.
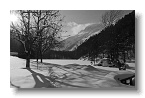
76	28
71	24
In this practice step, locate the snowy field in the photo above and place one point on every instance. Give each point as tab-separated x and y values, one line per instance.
64	74
66	62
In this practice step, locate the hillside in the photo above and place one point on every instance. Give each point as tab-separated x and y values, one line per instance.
114	40
72	42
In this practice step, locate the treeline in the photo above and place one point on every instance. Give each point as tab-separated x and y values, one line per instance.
115	41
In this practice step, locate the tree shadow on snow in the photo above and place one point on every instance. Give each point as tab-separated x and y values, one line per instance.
75	67
41	80
46	81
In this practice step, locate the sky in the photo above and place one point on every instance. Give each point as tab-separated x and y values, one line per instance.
82	16
77	20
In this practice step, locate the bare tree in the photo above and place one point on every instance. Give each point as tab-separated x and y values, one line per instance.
37	30
48	25
110	17
22	33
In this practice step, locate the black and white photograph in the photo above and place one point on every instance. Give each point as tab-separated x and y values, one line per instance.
72	49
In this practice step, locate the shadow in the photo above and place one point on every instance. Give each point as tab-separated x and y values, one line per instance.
13	86
76	91
70	85
46	63
132	68
70	66
138	51
46	81
99	72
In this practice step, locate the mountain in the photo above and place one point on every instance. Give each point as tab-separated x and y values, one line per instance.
114	41
73	42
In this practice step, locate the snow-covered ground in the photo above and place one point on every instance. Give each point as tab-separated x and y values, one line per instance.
66	62
113	69
73	74
131	64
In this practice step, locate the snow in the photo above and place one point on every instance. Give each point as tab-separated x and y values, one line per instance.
131	64
66	62
63	74
16	67
113	69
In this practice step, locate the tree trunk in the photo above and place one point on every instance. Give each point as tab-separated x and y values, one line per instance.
127	55
40	53
124	59
41	58
37	57
28	62
111	56
37	60
103	55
